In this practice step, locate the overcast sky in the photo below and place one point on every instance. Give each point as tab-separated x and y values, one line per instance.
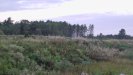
108	16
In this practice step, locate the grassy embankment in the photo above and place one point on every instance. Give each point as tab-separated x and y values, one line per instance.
41	55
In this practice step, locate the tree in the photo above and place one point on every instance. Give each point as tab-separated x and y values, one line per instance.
83	30
100	36
8	26
23	28
8	22
91	31
33	28
122	34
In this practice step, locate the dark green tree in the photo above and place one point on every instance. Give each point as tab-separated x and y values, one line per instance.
122	34
24	27
91	31
8	26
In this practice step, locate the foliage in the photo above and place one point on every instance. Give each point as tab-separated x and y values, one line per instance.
25	27
121	35
52	55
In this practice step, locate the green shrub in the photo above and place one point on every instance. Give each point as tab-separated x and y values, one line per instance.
63	65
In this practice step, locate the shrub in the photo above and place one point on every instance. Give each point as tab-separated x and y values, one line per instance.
99	53
63	65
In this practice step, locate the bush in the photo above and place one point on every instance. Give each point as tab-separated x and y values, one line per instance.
1	32
100	54
63	65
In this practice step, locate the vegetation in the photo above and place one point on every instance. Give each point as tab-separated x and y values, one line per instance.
25	27
52	55
56	48
53	28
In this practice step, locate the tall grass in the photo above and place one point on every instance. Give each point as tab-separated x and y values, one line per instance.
53	55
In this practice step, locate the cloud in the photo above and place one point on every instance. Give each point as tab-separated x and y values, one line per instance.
73	6
108	16
106	23
11	5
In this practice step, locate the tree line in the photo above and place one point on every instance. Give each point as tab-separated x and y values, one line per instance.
53	28
121	35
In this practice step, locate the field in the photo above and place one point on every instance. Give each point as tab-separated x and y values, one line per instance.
54	55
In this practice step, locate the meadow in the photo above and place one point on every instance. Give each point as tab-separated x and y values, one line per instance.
55	55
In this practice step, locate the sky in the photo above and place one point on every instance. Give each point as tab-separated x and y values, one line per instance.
108	16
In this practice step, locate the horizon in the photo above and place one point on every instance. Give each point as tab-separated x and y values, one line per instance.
108	16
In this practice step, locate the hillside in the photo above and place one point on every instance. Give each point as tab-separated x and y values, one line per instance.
52	55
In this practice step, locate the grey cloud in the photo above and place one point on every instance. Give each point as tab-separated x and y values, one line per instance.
11	5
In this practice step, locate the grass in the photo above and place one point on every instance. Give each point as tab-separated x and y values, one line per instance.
103	68
109	68
52	55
